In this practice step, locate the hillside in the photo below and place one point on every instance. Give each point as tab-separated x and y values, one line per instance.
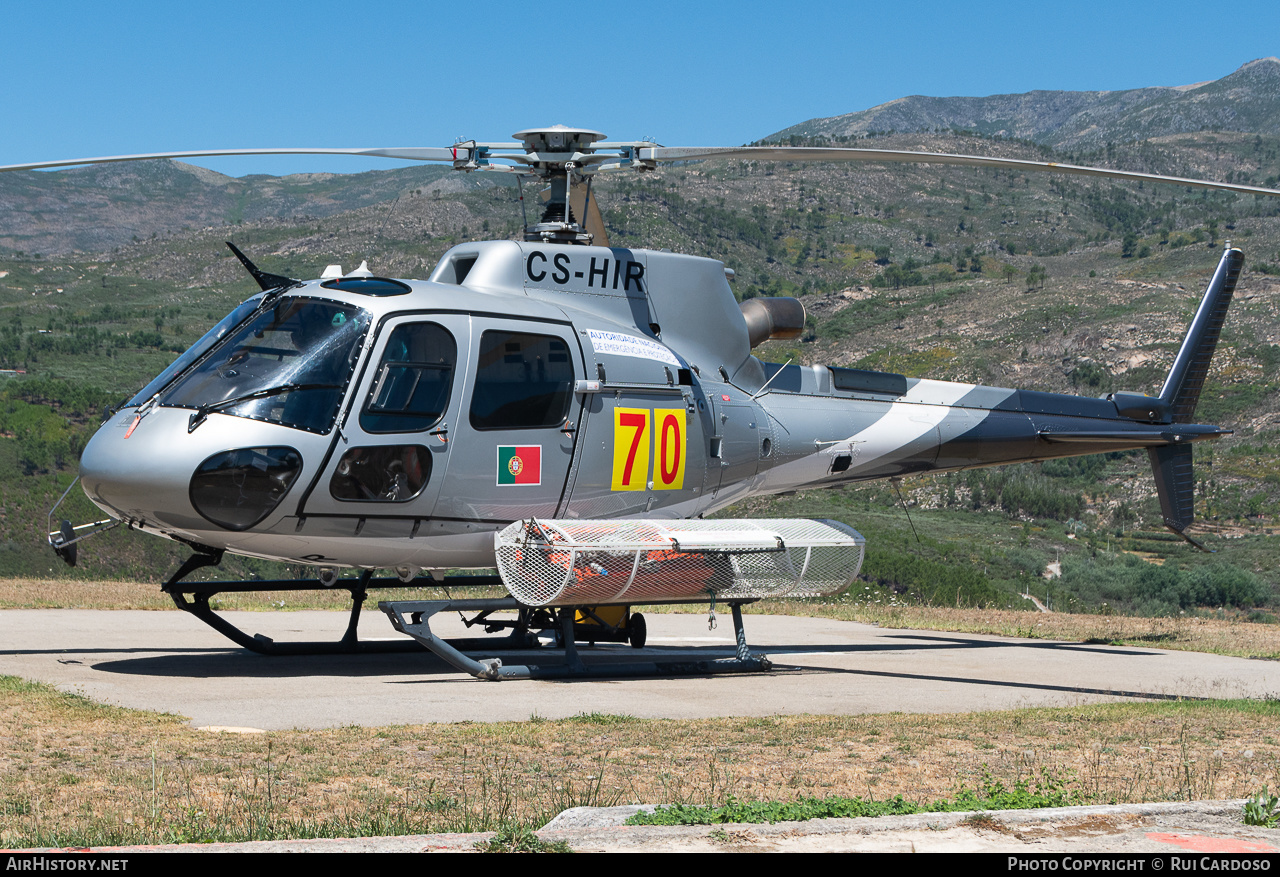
1247	100
97	208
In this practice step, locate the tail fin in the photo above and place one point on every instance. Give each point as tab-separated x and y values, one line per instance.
1171	464
1176	487
1182	387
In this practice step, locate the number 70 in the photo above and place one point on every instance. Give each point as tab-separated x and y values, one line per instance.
635	431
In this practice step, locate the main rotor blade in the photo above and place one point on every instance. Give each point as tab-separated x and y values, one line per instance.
408	153
813	153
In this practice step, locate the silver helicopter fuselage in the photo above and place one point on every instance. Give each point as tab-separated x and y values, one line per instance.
363	422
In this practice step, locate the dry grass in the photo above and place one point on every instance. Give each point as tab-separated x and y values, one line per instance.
74	594
75	772
1221	635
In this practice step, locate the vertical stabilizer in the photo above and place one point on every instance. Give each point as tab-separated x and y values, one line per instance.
1175	483
1182	387
1172	464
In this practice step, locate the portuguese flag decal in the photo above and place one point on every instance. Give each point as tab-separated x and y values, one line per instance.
519	464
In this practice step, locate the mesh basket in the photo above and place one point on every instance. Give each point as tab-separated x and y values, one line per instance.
576	563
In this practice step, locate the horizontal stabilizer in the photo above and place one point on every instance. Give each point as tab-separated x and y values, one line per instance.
592	563
1135	437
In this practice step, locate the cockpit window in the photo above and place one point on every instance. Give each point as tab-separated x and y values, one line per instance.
289	365
411	388
225	325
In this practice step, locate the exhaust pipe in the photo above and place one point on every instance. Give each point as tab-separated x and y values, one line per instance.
773	319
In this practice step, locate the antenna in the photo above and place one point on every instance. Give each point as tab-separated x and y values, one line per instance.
524	216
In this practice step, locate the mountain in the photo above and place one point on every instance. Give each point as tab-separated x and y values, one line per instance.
98	208
1246	100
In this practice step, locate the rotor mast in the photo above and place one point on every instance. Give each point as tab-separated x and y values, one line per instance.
563	157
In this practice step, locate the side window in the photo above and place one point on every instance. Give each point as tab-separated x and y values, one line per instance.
394	473
411	388
522	381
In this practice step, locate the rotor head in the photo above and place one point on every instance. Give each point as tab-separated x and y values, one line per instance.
557	139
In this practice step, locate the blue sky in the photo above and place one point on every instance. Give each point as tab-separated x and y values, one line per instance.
93	78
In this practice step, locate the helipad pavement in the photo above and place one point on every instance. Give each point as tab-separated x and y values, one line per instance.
168	661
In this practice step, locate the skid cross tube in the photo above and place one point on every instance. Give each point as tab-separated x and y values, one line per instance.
413	617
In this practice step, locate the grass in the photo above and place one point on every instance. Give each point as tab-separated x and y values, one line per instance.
1222	634
77	773
23	593
1048	791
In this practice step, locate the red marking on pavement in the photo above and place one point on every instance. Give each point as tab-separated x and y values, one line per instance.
1198	843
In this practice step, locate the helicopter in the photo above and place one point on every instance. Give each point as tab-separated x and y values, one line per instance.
566	412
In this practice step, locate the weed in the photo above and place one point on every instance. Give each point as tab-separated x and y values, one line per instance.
601	719
520	839
1049	791
1262	809
589	793
983	822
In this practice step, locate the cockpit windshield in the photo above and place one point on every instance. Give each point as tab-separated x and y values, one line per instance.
288	365
195	351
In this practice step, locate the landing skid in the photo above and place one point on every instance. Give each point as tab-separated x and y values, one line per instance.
413	617
201	592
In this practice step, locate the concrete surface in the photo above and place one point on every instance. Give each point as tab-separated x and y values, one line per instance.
170	662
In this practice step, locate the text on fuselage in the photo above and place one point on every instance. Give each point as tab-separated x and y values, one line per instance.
601	273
